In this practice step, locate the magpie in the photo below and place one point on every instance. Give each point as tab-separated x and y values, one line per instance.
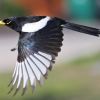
40	40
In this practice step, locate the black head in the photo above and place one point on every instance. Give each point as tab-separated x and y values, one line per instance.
16	23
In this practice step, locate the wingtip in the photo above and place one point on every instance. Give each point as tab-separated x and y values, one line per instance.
24	91
33	89
46	75
10	90
41	82
10	83
16	91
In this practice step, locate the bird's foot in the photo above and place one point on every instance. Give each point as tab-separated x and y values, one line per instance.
13	49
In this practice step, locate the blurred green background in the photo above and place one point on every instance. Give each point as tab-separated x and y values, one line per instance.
9	8
76	75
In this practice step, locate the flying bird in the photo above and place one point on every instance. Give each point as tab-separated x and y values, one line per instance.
40	40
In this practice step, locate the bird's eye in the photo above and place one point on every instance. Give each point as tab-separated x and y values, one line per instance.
7	21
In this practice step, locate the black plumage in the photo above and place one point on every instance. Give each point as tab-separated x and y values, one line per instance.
40	40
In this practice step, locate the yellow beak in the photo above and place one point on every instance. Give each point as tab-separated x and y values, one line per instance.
2	23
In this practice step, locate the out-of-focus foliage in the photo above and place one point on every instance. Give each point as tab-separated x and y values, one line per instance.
85	61
43	7
8	8
75	9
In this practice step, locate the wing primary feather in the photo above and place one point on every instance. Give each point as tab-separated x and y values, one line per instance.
31	74
51	61
20	76
35	63
11	89
39	61
44	74
16	76
26	74
46	55
13	75
43	56
48	65
33	88
10	82
53	58
24	90
44	63
43	60
34	85
25	79
24	87
15	69
16	91
14	80
36	76
29	64
19	79
40	80
51	52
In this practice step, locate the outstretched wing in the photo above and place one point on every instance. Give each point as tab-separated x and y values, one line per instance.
36	55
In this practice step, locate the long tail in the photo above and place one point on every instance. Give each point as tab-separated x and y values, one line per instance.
82	28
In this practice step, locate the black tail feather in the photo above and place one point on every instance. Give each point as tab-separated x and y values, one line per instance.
82	28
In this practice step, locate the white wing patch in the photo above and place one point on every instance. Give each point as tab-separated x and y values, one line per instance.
36	26
33	68
25	75
45	55
30	73
40	66
45	61
20	76
16	74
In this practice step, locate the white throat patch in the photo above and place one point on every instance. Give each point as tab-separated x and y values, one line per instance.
35	26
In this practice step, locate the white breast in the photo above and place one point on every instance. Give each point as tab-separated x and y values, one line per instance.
35	26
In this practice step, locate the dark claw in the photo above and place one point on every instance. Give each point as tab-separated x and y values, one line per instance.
13	49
